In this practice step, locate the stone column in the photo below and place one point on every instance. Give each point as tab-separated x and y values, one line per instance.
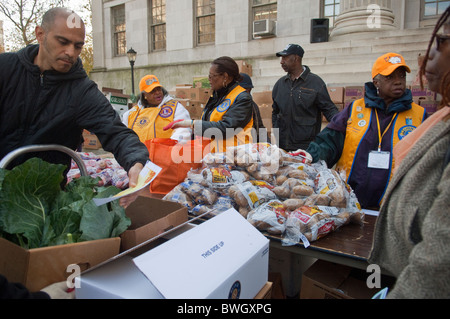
364	16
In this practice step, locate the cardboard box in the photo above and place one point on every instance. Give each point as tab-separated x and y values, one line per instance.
91	140
429	106
244	67
336	94
199	94
353	93
183	91
326	280
149	218
223	257
265	292
266	115
277	291
266	111
422	94
262	98
195	109
39	267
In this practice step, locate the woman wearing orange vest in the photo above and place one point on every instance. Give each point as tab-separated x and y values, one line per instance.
227	116
361	138
156	109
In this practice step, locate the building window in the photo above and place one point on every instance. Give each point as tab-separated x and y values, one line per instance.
433	8
158	25
205	11
119	30
330	10
264	9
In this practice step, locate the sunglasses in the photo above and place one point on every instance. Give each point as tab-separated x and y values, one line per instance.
440	39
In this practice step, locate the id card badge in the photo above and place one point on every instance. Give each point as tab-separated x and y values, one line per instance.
379	160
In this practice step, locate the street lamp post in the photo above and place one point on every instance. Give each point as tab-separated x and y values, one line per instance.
132	58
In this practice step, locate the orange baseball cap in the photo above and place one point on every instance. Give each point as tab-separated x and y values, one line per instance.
148	83
388	63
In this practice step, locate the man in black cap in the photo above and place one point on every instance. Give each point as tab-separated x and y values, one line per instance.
299	100
261	131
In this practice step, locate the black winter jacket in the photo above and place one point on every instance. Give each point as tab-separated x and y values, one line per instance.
298	107
9	290
54	108
237	116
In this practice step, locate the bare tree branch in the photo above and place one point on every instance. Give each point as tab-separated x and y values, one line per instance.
25	15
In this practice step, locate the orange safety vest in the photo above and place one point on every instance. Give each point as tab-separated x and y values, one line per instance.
359	122
148	123
244	136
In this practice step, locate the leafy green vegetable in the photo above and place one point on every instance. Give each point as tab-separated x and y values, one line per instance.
35	212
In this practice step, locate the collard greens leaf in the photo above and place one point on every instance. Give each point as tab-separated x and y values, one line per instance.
26	195
103	221
38	213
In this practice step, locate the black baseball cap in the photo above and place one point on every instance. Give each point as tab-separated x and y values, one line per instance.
246	82
292	49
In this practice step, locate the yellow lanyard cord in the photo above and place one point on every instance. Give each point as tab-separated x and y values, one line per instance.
380	136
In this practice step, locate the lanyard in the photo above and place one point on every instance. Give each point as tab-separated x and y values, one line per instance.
380	136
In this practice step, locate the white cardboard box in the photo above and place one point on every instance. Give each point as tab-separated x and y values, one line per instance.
224	257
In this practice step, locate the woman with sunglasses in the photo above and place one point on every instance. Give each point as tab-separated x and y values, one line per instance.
412	235
227	117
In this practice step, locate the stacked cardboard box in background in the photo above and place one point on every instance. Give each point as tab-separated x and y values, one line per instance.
245	67
264	102
353	93
192	98
337	97
425	98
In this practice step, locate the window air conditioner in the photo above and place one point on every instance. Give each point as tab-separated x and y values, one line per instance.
264	28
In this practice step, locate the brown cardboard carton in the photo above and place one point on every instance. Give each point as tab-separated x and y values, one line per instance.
195	109
244	67
326	280
429	106
266	111
199	94
261	98
353	93
422	94
183	91
336	94
39	267
265	292
149	218
266	115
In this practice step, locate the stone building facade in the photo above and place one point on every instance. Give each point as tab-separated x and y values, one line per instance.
177	39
